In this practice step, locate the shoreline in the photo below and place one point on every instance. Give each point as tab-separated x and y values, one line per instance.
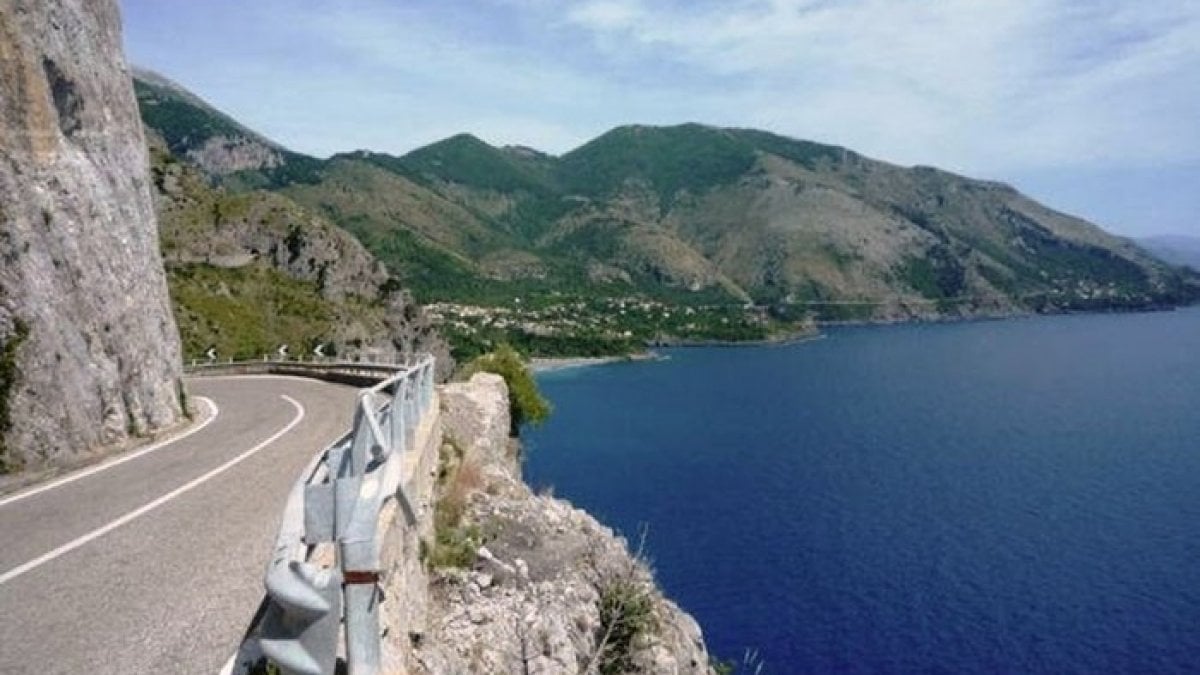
775	341
549	364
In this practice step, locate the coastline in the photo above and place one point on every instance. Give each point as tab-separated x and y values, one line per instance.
774	341
551	364
546	364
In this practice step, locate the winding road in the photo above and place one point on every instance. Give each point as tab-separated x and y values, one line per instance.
153	562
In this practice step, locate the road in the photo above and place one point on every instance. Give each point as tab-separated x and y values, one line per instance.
155	564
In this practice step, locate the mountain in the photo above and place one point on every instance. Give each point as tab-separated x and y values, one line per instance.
1175	249
740	214
193	129
699	216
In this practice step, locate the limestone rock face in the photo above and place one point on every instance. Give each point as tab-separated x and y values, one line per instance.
476	415
89	346
539	596
223	155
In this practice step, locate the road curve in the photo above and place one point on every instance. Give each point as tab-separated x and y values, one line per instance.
155	564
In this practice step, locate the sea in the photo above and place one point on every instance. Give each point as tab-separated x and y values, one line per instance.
1017	496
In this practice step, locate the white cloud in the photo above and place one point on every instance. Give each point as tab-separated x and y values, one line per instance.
974	84
988	87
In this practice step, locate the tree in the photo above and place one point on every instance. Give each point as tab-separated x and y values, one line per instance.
525	401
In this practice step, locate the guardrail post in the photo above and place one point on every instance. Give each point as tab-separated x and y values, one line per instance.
396	420
410	412
429	375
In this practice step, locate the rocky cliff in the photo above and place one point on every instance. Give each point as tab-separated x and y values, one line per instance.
193	130
501	580
252	270
90	354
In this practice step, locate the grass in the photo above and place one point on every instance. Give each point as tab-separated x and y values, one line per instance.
456	543
626	614
246	312
626	610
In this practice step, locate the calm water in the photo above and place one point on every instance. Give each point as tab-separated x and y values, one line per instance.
1018	496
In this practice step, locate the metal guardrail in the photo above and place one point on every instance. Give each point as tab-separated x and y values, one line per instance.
337	502
349	372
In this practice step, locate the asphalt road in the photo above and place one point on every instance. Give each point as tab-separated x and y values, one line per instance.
155	564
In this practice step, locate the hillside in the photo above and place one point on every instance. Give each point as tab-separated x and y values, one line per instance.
250	271
194	130
1175	249
703	217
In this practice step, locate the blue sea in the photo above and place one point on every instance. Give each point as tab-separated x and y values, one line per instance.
1015	496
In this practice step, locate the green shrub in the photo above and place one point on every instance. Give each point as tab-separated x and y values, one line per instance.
455	543
626	614
455	547
525	400
751	664
9	376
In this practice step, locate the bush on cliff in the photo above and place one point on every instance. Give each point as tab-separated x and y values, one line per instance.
525	400
9	377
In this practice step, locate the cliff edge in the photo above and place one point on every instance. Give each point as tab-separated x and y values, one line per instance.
507	581
89	353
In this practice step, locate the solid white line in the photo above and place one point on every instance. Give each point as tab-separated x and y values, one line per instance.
227	669
214	411
143	510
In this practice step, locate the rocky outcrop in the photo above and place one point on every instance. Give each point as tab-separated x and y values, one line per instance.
343	296
206	224
196	131
90	351
544	588
221	155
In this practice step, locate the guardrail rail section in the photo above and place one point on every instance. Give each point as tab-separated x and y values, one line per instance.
336	504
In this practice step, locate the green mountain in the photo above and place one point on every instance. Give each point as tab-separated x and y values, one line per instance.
699	216
208	138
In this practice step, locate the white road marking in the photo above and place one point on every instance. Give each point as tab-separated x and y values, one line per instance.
214	411
143	510
227	669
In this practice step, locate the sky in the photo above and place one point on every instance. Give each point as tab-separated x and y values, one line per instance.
1091	106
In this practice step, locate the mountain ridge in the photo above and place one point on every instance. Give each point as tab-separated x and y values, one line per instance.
693	214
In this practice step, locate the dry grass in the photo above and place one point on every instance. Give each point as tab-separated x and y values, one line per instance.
456	543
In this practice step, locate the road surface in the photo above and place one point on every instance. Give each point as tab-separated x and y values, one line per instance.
155	564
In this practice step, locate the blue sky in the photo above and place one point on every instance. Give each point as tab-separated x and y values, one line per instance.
1090	106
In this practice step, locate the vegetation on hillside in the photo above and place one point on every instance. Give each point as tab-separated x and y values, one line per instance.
455	542
689	157
180	120
247	312
250	271
466	160
647	205
696	216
